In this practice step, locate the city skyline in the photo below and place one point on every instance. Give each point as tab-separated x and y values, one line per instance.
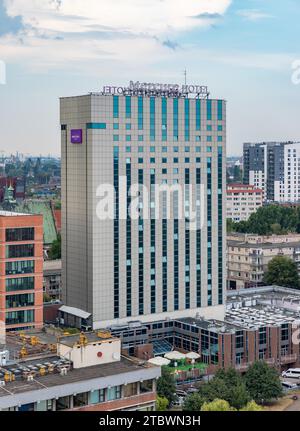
233	47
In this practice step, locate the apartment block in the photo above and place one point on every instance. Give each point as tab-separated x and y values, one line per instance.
21	270
242	201
274	167
248	257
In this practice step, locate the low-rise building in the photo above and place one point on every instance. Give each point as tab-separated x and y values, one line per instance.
260	324
52	278
242	201
87	374
249	255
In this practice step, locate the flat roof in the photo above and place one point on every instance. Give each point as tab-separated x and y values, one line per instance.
209	325
75	312
21	385
262	306
92	337
13	214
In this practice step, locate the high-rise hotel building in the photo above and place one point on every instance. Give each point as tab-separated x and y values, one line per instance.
122	269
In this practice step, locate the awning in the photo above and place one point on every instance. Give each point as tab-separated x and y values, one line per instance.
74	312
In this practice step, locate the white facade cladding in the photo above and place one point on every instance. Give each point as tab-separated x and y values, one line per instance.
275	168
147	268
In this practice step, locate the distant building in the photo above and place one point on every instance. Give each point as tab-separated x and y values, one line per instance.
242	201
87	374
21	272
52	278
248	257
274	167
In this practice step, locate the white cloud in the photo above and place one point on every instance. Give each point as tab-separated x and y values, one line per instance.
147	16
56	32
253	14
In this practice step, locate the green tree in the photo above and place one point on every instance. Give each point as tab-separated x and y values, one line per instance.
193	402
46	297
283	272
217	406
271	219
226	385
161	404
166	386
263	382
55	250
251	407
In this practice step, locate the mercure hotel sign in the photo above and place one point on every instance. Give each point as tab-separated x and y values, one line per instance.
145	88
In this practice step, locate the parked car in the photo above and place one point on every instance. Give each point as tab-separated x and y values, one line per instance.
192	390
292	373
181	393
288	386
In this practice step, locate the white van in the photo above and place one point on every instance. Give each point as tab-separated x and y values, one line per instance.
292	373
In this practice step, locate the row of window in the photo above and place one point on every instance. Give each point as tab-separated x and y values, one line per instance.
164	106
20	250
140	138
19	234
19	267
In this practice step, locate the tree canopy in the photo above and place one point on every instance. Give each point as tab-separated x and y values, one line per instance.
283	272
193	402
226	385
166	386
268	220
263	382
161	404
55	249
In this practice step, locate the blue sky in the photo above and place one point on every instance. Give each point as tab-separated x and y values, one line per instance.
242	50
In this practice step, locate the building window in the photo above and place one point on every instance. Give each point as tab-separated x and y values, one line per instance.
140	113
116	106
114	393
17	317
220	110
198	114
208	110
22	300
97	397
152	118
22	250
130	390
20	234
128	106
22	283
19	267
146	386
187	119
175	119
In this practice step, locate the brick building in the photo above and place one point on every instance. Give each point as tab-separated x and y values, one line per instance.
260	324
21	270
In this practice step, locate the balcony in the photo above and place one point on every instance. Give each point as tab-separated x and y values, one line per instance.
288	359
